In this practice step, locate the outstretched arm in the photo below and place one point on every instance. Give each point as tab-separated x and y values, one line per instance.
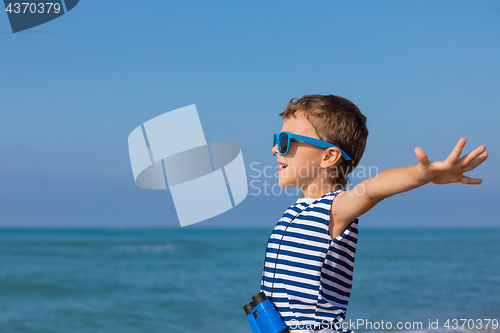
353	203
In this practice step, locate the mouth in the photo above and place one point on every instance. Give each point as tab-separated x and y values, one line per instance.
283	166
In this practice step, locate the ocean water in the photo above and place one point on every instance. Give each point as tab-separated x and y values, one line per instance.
197	280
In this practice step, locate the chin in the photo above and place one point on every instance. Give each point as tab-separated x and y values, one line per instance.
286	183
282	182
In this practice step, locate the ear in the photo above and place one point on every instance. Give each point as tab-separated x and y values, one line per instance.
330	157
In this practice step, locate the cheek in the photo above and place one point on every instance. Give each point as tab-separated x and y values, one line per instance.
309	156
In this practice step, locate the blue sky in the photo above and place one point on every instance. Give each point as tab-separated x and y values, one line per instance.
424	73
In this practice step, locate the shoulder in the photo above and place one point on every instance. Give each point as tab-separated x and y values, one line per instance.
337	226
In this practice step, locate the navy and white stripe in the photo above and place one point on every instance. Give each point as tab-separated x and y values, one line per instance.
312	272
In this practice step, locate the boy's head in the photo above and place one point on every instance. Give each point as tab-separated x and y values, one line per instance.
337	121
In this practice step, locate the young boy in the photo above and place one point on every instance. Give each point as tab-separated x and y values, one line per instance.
310	253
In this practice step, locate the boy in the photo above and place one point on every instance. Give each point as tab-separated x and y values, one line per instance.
310	253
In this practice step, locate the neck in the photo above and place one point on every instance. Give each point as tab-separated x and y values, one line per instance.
316	191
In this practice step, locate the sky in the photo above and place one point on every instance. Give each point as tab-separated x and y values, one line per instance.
424	73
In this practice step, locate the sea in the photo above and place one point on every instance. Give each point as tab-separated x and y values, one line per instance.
198	279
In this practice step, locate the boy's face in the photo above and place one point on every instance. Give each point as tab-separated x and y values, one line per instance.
300	167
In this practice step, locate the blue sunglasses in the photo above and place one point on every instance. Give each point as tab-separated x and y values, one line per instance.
283	141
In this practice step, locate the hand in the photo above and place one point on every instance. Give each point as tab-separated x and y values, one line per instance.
452	168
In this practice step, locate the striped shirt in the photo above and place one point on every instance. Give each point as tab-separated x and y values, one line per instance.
307	273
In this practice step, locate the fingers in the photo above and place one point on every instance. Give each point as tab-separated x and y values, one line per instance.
473	154
476	162
422	156
471	181
455	154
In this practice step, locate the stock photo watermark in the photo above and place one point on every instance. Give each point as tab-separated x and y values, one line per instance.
262	178
171	151
365	324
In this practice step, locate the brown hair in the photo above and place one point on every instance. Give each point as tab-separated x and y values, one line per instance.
338	121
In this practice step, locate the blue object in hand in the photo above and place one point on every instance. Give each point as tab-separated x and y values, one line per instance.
263	316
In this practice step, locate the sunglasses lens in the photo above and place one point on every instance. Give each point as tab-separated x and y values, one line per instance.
283	143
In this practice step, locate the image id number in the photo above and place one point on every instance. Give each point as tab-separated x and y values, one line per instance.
471	324
33	8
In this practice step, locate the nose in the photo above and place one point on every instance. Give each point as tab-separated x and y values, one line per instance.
275	150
